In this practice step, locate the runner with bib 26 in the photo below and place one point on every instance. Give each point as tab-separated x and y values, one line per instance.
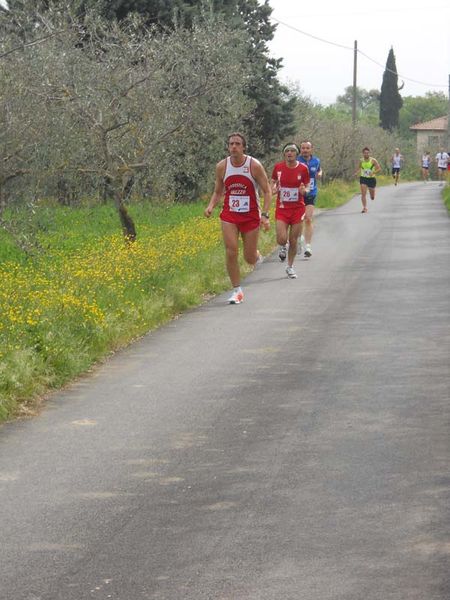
290	181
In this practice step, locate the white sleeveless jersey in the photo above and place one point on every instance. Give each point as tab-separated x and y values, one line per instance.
241	170
241	190
426	161
397	161
442	158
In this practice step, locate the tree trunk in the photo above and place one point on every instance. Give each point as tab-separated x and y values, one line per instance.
65	194
106	190
2	200
128	227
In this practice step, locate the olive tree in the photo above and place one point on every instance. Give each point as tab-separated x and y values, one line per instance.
19	130
120	102
16	144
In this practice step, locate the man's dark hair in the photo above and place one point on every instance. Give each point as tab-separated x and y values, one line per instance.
237	134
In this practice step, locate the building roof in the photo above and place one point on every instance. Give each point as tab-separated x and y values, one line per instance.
439	124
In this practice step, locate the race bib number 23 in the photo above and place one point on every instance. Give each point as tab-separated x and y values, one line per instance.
239	204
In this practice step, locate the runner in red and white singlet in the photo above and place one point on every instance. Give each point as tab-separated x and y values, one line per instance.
290	180
238	178
241	202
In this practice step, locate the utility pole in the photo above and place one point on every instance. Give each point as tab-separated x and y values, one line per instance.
355	60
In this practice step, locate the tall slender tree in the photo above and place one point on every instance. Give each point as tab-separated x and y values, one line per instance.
390	98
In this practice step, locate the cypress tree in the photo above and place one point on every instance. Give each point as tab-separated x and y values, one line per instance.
390	99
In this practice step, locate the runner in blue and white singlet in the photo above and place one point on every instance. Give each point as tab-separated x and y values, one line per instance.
315	172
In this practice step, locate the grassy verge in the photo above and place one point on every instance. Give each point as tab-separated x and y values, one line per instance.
336	193
446	196
87	293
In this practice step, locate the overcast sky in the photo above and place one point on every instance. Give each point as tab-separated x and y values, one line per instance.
418	31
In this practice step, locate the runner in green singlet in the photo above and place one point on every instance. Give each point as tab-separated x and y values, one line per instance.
367	168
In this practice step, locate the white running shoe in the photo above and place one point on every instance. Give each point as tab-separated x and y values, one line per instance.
308	252
282	252
291	273
260	259
236	297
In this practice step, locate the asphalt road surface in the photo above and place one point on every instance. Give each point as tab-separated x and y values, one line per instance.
294	447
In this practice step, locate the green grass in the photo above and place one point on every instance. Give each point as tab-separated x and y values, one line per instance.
336	193
446	196
85	294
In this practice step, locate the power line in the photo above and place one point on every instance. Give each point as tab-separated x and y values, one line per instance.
399	75
437	85
378	11
311	35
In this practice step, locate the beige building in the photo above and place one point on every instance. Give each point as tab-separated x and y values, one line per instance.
431	135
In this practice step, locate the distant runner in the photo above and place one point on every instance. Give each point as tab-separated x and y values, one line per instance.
426	162
367	168
237	180
397	164
315	172
290	181
442	159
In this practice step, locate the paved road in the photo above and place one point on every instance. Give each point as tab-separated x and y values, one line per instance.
260	451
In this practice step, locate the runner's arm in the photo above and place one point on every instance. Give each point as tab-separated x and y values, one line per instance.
260	176
376	164
305	186
275	186
218	189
